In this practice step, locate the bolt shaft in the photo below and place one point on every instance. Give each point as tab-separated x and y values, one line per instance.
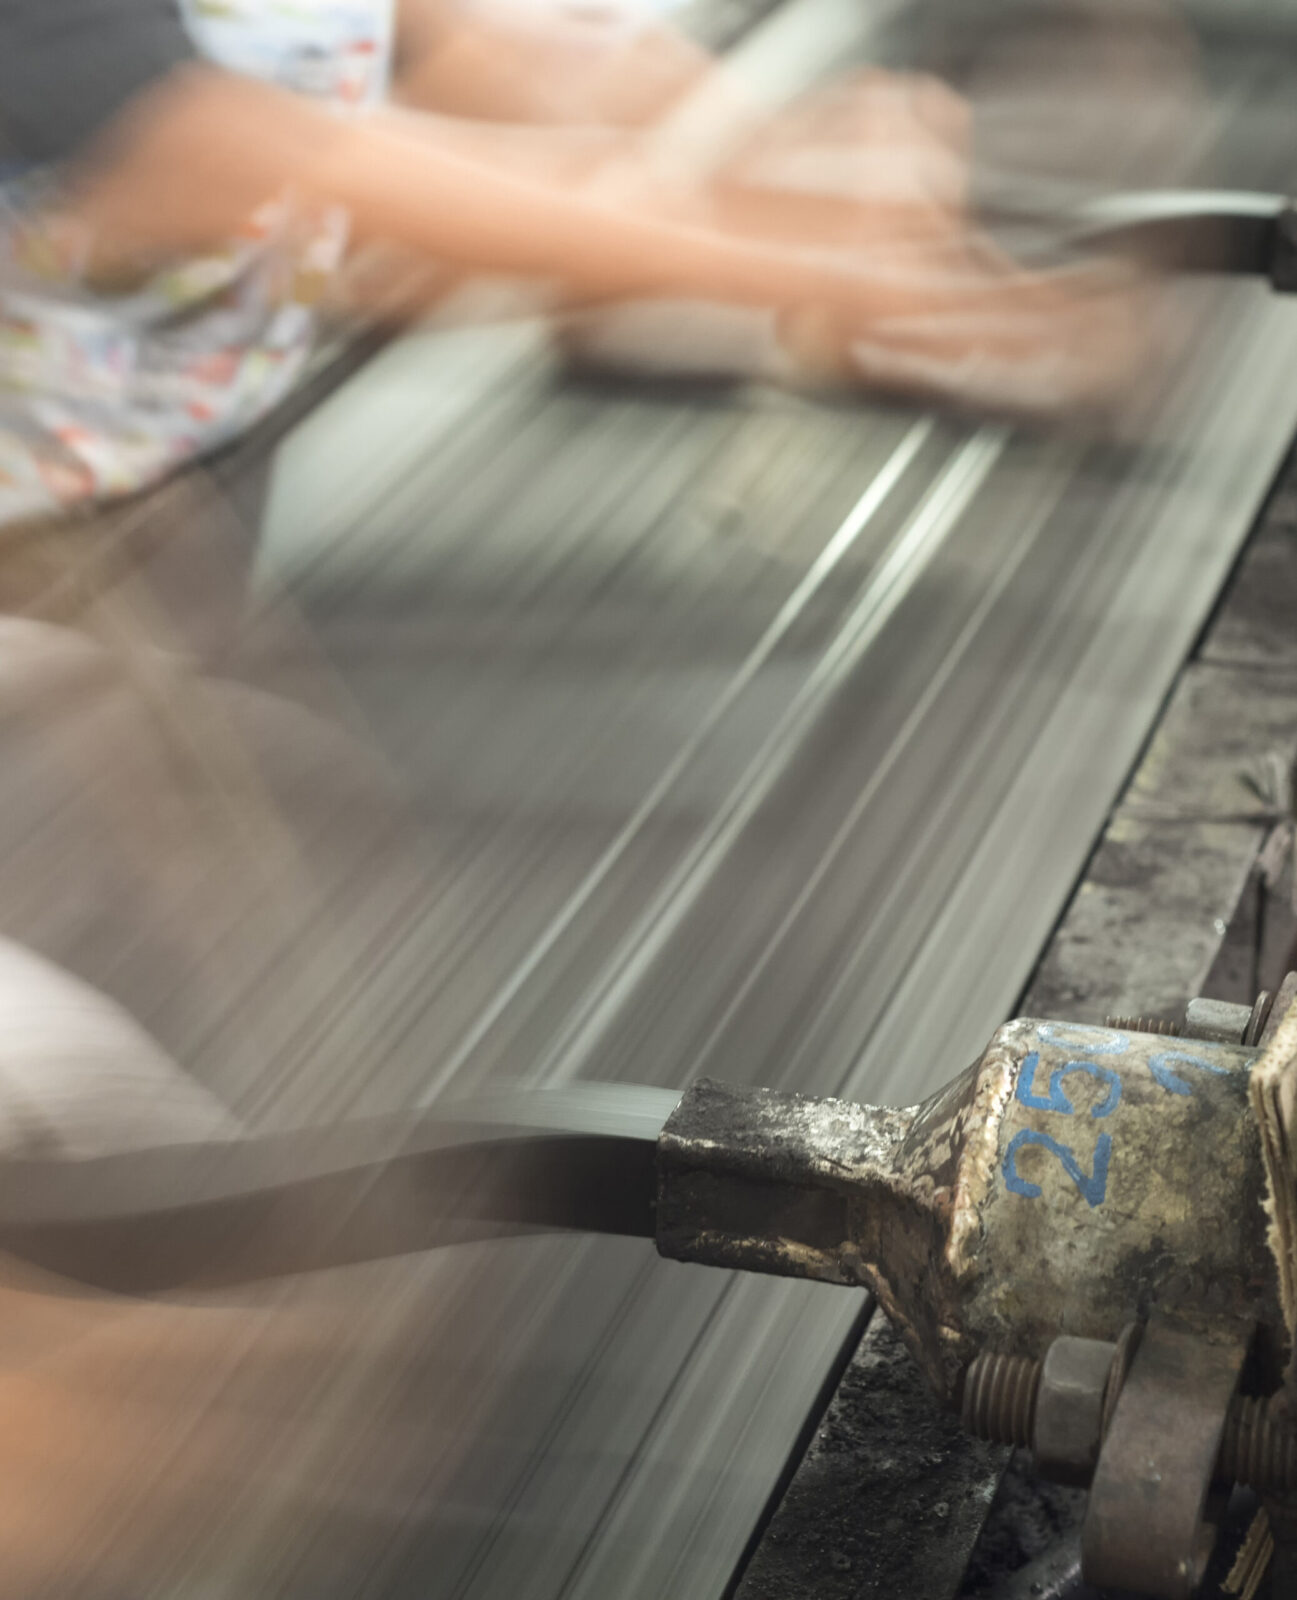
1000	1398
1257	1448
1144	1025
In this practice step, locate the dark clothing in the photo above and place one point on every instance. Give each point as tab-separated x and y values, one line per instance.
68	67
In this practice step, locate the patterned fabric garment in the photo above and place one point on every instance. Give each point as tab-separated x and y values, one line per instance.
102	393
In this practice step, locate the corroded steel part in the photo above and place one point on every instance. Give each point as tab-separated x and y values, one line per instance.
1068	1425
1070	1182
1061	1409
1149	1521
1273	1088
1128	1178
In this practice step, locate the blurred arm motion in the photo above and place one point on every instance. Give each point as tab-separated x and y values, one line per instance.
883	256
187	192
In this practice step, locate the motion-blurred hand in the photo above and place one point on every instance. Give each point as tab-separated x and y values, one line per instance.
131	1430
135	1432
877	171
841	231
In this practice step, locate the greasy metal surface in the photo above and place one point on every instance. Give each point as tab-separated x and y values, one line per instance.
1182	852
1053	1576
999	1398
1284	1000
772	1182
1259	1449
756	960
1128	1342
1148	920
1171	904
1052	1545
1062	1407
1072	1180
1144	1525
890	1495
1258	1017
1157	937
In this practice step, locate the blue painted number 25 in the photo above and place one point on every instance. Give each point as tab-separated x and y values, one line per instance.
1093	1185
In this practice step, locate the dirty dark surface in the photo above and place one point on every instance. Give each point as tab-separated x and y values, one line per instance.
1029	1519
889	1498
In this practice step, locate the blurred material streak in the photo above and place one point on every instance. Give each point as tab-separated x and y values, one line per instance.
874	603
204	1209
800	43
682	730
539	620
900	567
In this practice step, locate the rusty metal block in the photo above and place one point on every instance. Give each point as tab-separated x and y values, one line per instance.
1073	1179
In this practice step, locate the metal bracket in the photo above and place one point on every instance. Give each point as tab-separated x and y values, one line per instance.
1148	1526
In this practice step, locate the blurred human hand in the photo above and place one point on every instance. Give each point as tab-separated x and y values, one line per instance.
876	171
844	223
134	1431
131	1428
993	334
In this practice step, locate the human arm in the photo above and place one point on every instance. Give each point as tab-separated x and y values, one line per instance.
192	159
609	66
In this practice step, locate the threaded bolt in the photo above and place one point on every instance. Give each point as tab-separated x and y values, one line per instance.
1160	1025
1000	1398
1257	1449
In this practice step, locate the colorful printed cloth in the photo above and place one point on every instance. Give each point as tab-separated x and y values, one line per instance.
102	393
